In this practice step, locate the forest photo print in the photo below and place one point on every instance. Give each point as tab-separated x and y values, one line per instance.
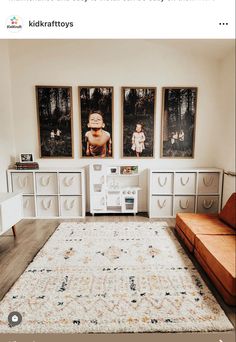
178	122
54	106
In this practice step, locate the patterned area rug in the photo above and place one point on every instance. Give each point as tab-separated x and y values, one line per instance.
112	277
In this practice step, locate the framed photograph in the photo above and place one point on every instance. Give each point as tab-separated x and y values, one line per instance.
129	170
96	121
179	106
54	108
138	122
26	158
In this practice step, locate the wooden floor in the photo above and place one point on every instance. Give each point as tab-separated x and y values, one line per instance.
16	253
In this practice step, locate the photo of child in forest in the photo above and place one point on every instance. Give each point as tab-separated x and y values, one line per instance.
96	110
97	139
138	139
138	121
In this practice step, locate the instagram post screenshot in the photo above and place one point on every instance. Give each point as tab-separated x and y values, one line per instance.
117	171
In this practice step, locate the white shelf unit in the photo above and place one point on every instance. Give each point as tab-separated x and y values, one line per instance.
50	193
112	192
186	190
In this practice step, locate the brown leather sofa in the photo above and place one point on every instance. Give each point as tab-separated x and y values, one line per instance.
212	240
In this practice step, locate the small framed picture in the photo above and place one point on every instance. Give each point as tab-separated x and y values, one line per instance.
26	158
128	170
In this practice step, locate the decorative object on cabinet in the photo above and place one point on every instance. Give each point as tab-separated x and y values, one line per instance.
128	170
138	105
54	107
27	166
96	121
26	158
10	211
50	193
189	190
179	107
113	192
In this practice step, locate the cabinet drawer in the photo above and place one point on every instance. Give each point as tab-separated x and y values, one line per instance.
22	182
208	183
28	206
70	183
162	183
47	206
208	204
46	183
184	204
185	183
71	206
161	206
99	202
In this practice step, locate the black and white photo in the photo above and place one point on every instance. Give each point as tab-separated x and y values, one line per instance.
26	158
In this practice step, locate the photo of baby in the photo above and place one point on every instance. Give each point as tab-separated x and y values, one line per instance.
96	121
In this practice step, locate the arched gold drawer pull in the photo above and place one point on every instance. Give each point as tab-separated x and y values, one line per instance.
184	206
22	182
26	204
161	205
44	181
69	206
184	182
46	206
68	181
209	182
160	183
208	204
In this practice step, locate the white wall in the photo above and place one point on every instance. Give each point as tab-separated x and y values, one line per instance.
7	148
225	130
113	63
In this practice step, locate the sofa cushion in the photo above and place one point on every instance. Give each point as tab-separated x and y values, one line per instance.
228	213
207	224
218	252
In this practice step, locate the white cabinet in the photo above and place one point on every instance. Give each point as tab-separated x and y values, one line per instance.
50	193
10	210
189	190
111	191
